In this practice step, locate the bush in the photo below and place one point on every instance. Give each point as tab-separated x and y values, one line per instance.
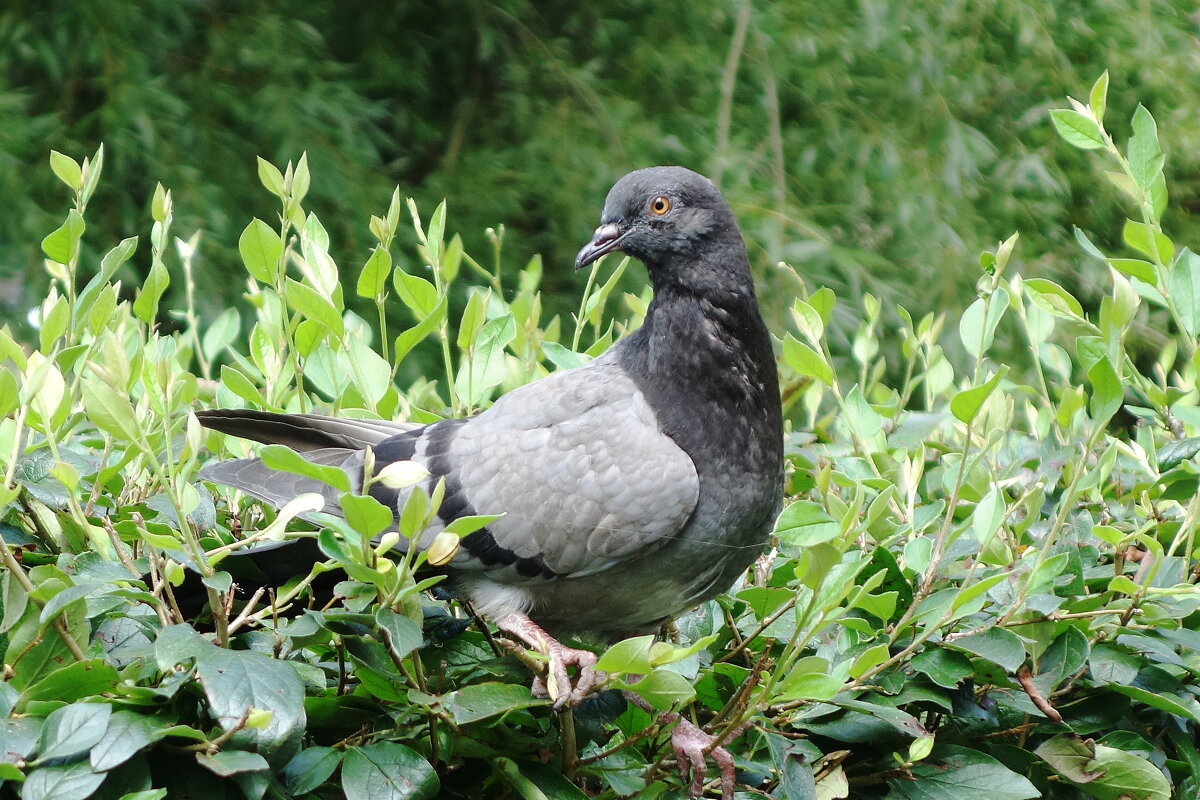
983	585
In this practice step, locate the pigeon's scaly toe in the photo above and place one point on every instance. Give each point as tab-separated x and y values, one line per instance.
691	746
556	683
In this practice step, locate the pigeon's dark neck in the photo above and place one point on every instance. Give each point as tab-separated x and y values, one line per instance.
704	361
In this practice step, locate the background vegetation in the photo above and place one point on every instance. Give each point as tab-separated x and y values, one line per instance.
875	145
984	583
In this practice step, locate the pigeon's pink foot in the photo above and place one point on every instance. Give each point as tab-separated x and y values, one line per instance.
556	683
692	747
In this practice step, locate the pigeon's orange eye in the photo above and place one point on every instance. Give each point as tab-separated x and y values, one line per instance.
660	205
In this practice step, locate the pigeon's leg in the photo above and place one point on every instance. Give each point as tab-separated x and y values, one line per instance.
692	746
557	683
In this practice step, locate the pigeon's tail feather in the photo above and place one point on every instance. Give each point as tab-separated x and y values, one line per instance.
278	488
301	432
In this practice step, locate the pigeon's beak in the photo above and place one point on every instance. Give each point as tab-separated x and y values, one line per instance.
607	238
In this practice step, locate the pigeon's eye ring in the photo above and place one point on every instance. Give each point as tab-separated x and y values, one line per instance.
660	205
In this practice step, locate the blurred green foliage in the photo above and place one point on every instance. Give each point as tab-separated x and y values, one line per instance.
876	145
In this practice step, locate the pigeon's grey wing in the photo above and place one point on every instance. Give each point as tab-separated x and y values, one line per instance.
278	488
302	432
577	465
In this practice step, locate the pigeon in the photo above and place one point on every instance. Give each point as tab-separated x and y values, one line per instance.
631	488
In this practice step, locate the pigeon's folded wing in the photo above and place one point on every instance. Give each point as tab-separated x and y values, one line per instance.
302	432
579	468
575	463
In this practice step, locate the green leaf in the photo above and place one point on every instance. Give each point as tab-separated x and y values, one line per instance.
627	656
67	169
56	783
365	514
1145	155
805	523
409	339
806	361
976	332
146	304
271	177
1113	663
965	405
109	265
944	667
1062	659
301	178
372	281
486	367
15	598
372	375
1150	242
966	595
563	357
473	317
110	410
232	762
400	634
261	249
868	660
1077	129
62	245
237	682
1135	268
863	420
72	682
72	730
310	769
418	294
1183	285
1127	775
953	773
239	384
465	525
1106	773
54	324
1107	391
479	701
1051	297
663	689
127	733
315	306
1174	453
285	459
437	227
1098	97
998	645
220	333
387	771
987	516
1069	755
809	679
1161	701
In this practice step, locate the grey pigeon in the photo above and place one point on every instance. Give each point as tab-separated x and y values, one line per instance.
634	487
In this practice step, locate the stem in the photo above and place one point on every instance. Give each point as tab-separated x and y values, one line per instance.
728	82
18	573
587	291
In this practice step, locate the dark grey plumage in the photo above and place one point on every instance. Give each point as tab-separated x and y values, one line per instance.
633	487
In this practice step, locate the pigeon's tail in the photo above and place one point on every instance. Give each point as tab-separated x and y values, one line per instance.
278	488
301	432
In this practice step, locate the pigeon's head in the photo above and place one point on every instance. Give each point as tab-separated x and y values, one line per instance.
664	217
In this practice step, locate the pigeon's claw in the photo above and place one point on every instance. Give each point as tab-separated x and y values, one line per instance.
691	745
556	683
